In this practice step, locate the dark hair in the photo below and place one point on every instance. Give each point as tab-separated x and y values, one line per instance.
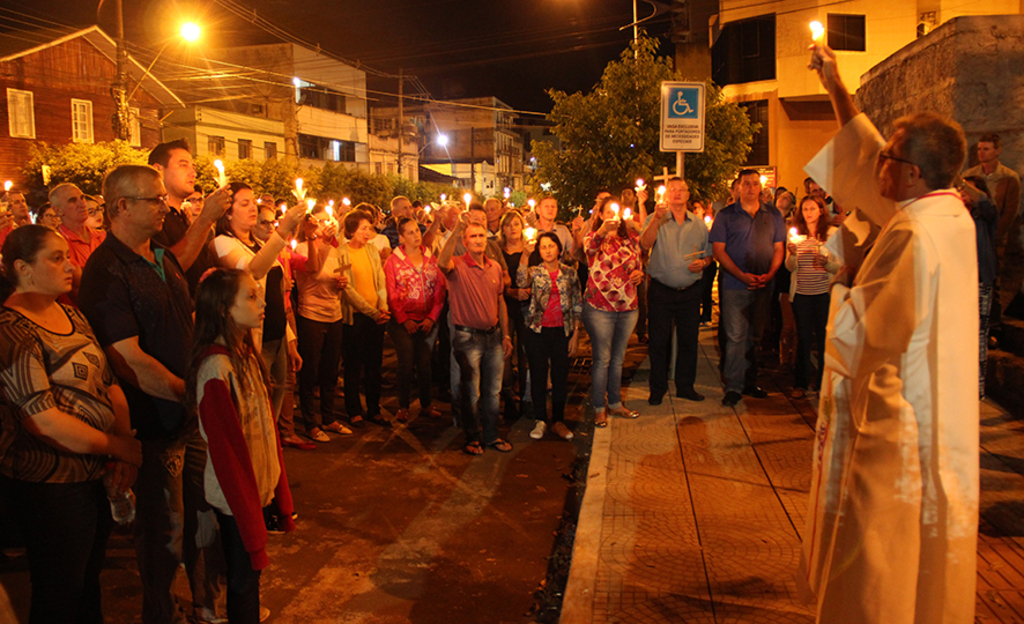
475	205
599	221
746	172
980	183
824	220
552	236
23	243
224	222
404	221
161	154
215	296
936	145
38	212
352	220
993	138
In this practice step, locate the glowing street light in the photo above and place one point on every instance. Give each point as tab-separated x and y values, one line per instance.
190	31
442	140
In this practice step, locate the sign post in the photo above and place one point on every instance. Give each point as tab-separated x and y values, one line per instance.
682	119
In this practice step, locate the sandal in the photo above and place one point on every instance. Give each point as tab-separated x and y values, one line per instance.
473	448
501	445
624	412
600	419
317	434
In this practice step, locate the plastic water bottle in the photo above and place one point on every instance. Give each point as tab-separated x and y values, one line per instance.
122	506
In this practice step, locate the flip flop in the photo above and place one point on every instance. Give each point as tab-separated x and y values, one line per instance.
473	448
501	445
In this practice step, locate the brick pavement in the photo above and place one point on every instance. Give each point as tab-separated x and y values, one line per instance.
693	512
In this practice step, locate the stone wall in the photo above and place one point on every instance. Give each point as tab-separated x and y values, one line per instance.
969	69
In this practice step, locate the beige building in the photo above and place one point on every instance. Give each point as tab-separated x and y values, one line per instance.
759	54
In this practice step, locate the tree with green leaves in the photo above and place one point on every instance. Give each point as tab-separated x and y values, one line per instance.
610	136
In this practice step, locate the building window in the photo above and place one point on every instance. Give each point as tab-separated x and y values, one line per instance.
322	98
215	145
21	115
244	149
320	148
758	113
134	128
81	121
745	51
270	150
846	32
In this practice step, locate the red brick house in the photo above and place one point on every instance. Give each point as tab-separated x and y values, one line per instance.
56	89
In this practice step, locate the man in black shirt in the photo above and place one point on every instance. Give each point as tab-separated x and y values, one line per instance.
135	296
189	239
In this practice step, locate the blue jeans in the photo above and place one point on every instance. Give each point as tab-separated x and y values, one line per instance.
609	334
481	365
744	315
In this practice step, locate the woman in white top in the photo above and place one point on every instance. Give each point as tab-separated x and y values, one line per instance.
235	247
811	267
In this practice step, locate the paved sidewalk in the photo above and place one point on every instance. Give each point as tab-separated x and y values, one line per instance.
693	513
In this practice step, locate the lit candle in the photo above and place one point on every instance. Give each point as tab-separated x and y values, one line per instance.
627	213
531	203
795	237
222	179
443	197
294	244
531	234
707	220
615	209
640	185
309	204
7	186
330	209
661	193
468	197
299	193
817	31
426	209
346	201
764	180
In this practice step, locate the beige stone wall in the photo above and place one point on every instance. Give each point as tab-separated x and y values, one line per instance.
969	68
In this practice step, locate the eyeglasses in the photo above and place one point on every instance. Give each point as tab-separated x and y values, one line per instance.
159	199
884	156
266	223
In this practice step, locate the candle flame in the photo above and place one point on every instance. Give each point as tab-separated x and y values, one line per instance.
443	197
817	30
309	204
467	198
707	219
7	186
298	184
531	233
294	244
330	209
661	192
532	202
346	201
627	213
426	209
640	183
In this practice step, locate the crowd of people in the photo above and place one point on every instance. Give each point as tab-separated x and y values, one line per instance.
152	341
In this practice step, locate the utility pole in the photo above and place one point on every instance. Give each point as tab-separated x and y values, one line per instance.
636	32
119	90
401	119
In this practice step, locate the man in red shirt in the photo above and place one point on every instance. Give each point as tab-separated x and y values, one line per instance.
69	204
480	338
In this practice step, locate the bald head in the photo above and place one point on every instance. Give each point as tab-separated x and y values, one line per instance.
69	204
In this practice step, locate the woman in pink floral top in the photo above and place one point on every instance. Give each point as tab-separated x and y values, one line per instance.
610	308
416	290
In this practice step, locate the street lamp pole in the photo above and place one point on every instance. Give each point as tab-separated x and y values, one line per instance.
119	90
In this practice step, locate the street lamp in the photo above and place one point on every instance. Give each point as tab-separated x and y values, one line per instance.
442	140
190	32
659	8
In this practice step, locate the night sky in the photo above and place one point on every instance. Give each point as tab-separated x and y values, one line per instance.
512	49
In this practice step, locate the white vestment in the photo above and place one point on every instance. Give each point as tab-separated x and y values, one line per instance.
892	524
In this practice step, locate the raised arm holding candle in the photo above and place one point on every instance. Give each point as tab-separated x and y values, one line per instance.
895	469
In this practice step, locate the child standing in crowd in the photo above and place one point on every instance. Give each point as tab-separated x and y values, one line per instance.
227	385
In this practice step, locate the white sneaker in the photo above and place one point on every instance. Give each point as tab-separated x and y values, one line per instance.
538	430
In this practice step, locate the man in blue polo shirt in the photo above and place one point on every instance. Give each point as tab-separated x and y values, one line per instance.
679	254
748	239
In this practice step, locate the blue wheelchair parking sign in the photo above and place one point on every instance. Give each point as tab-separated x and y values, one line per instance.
683	103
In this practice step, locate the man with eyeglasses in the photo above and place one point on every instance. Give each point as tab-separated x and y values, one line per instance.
69	204
188	238
135	295
893	514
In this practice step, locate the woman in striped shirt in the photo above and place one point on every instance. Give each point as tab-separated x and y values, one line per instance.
811	266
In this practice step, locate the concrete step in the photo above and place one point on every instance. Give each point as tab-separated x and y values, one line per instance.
1004	381
1011	338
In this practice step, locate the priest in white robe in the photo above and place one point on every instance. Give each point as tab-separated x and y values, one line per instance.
891	534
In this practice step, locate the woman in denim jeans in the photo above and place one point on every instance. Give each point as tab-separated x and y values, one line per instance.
610	307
